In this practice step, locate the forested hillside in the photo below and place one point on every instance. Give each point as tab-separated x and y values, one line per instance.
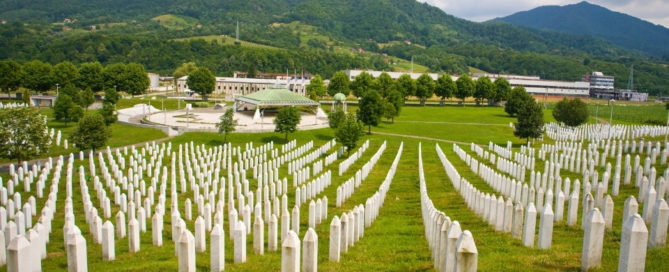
317	36
593	20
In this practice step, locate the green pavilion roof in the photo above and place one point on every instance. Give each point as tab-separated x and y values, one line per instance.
276	97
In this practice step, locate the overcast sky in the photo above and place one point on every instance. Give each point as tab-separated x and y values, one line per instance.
654	11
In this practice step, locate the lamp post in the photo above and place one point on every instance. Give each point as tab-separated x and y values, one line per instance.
57	88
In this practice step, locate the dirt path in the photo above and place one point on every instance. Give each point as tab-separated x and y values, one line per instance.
419	137
452	123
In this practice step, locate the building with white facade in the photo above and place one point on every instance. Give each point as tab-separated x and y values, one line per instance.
234	86
533	84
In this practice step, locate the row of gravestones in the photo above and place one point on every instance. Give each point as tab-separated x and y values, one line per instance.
256	213
24	251
629	259
346	189
312	156
502	215
594	132
345	164
345	232
452	249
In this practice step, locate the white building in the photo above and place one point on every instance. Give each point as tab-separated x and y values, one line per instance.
533	84
232	86
536	86
394	75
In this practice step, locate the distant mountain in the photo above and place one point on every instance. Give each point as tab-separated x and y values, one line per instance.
596	21
321	36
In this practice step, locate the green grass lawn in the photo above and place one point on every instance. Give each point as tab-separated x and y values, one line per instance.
395	241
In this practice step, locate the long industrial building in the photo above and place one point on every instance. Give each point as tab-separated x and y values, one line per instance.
533	84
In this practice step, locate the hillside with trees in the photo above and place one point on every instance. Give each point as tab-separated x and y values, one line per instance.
319	37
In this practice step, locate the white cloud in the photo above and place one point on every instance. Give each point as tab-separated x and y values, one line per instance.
655	11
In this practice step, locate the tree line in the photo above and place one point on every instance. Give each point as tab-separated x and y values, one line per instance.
40	77
423	88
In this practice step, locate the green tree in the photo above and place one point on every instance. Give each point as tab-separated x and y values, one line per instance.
87	98
465	88
424	88
395	97
201	81
61	107
516	98
113	77
23	134
108	113
227	124
445	87
111	96
64	73
25	96
361	84
339	83
530	120
73	92
90	76
336	117
316	87
184	69
389	111
384	84
10	76
92	133
349	132
75	113
571	112
484	90
406	85
135	79
286	120
370	109
502	89
37	76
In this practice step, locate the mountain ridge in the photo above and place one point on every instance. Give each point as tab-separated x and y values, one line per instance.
596	21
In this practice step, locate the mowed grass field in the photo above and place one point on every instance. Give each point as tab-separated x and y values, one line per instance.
396	240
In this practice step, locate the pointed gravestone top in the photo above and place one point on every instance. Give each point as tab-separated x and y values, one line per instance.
216	230
311	235
466	243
